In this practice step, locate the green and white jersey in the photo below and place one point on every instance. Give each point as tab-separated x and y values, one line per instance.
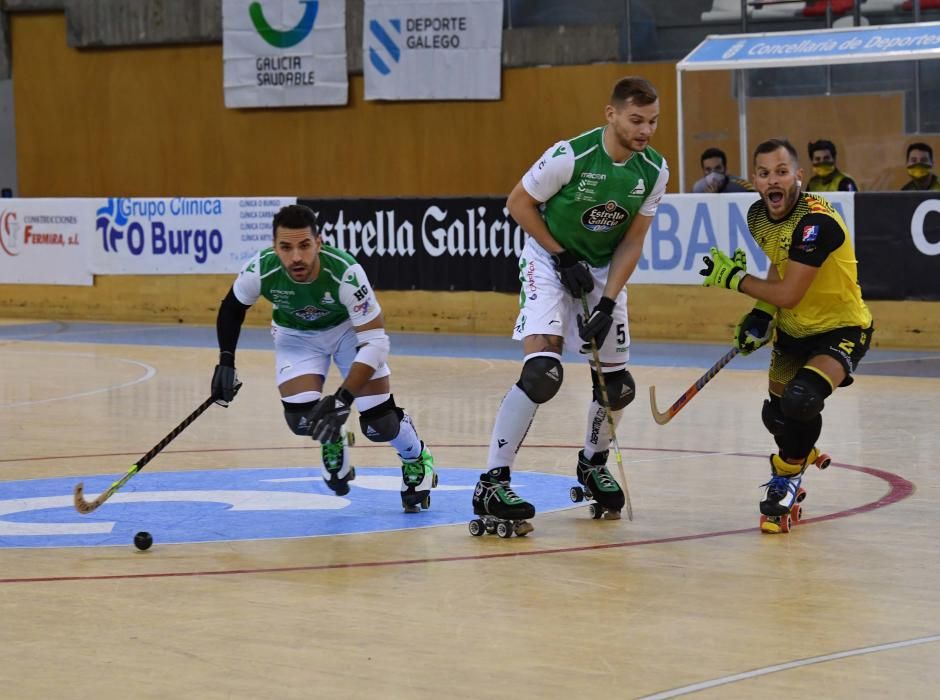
591	200
340	293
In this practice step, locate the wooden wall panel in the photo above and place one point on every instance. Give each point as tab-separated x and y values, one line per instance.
151	121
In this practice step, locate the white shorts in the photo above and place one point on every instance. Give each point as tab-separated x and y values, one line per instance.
546	307
309	352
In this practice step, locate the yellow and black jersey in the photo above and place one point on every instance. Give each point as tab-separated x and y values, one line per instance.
813	234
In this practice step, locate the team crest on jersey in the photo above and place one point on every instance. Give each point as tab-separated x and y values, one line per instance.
639	190
310	313
604	217
810	233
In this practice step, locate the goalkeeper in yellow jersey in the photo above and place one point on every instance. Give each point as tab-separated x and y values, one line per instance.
810	304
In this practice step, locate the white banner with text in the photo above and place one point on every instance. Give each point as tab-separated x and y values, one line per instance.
432	49
46	241
180	235
280	53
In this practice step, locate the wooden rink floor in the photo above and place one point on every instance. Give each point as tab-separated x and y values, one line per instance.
688	599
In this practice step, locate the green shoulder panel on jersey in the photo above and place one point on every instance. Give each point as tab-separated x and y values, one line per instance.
336	262
654	159
584	143
270	263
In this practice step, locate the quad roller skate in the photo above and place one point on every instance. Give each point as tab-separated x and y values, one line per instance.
337	471
498	508
417	479
782	508
599	486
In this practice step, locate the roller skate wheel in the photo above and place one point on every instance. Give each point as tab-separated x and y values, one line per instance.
612	515
434	481
476	527
504	530
823	461
522	528
796	513
597	512
576	494
426	503
800	495
411	508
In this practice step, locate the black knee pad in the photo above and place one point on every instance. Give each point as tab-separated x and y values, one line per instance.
773	416
541	377
621	389
296	415
804	396
382	423
799	437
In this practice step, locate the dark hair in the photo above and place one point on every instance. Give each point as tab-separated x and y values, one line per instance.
639	90
822	145
920	147
296	216
714	153
771	145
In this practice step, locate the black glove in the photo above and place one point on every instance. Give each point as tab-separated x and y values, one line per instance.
328	416
755	330
598	325
225	382
573	274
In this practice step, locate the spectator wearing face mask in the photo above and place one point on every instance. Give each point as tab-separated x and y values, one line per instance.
920	168
716	177
826	176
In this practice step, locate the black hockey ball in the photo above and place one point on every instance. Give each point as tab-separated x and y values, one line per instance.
143	540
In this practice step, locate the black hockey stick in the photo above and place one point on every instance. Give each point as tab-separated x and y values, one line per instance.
85	507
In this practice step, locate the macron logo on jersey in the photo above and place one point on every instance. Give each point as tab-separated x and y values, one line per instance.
640	188
810	233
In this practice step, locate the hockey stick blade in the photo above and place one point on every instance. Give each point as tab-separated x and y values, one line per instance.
661	418
664	417
84	506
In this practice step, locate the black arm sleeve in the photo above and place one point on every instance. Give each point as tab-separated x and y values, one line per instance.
815	236
228	326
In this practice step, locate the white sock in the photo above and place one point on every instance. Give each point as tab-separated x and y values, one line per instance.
512	423
597	438
407	441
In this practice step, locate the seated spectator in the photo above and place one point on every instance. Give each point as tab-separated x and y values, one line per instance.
920	168
826	176
714	167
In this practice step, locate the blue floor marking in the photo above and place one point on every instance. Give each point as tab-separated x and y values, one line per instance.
242	504
910	363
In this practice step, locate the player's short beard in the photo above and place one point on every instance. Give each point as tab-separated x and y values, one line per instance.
792	195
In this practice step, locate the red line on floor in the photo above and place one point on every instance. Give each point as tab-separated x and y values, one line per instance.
900	488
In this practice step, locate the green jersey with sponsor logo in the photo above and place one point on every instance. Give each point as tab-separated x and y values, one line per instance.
591	200
340	293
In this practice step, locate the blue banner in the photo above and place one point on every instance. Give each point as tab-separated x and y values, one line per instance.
856	44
